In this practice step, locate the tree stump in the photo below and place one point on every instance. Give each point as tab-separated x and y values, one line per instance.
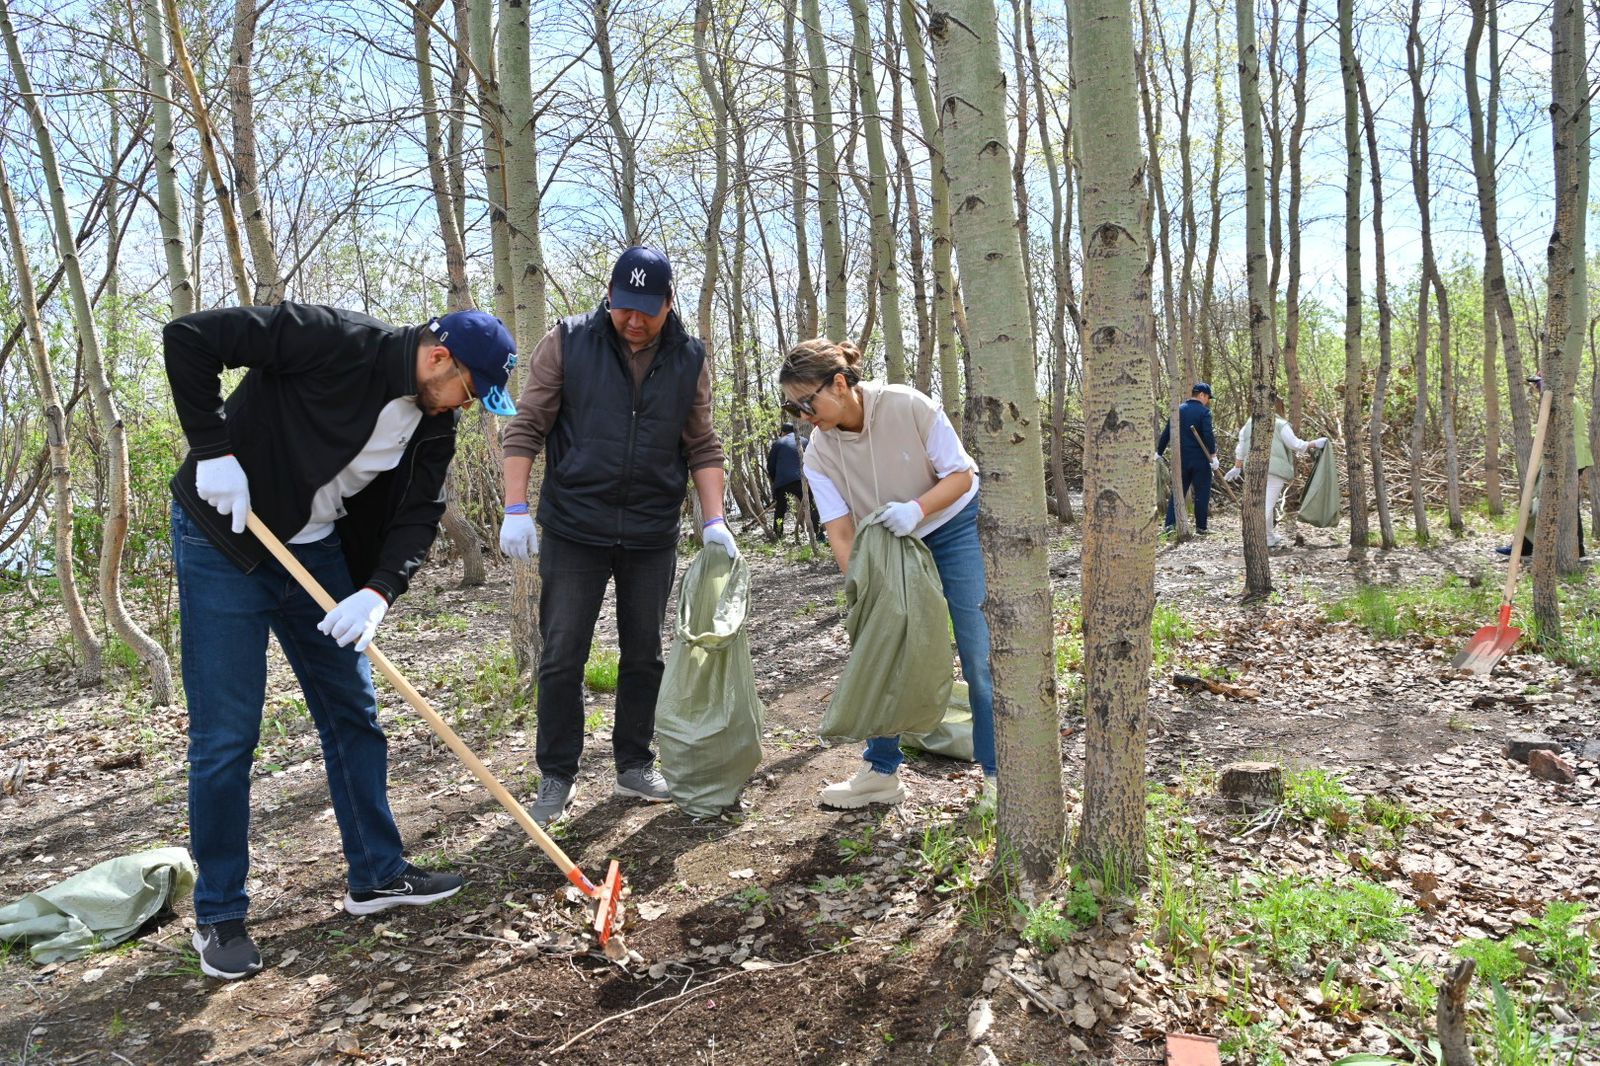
1454	1042
1252	786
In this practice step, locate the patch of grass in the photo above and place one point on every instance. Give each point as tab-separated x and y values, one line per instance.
1048	925
600	672
1392	816
1565	945
1168	632
452	623
1296	917
1250	1040
852	848
1497	959
487	690
1313	795
831	883
804	554
1418	989
1517	1039
752	898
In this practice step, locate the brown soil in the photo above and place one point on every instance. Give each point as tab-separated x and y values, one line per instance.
790	934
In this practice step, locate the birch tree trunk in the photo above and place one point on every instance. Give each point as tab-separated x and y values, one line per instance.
1118	497
626	153
883	239
1491	338
834	280
1291	297
1031	818
1263	338
115	533
270	284
1206	312
491	120
1419	183
1355	476
155	55
58	438
906	183
719	196
526	271
1380	385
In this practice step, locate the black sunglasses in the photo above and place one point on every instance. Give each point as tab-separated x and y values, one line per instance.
807	405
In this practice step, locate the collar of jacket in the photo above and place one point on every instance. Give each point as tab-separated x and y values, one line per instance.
400	372
672	331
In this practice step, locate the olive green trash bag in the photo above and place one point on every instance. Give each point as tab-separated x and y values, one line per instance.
898	677
708	718
953	738
1320	504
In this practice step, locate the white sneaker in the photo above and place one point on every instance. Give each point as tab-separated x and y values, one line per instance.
867	787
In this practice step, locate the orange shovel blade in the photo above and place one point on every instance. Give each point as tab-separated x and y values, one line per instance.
1486	648
606	901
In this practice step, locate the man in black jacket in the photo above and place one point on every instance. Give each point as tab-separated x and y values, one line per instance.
619	400
339	436
1194	416
783	471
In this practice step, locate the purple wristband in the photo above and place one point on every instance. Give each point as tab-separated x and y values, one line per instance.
517	508
714	521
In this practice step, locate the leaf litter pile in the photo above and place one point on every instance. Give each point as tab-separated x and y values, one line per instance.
1424	819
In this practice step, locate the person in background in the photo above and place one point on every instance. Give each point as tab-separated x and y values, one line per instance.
1280	464
619	401
1194	414
338	436
890	446
783	471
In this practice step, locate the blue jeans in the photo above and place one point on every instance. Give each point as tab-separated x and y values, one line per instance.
225	617
959	557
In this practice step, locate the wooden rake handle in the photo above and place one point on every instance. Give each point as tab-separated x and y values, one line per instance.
440	727
1198	439
1524	508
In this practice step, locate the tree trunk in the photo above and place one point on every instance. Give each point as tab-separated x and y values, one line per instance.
58	437
835	282
270	283
1118	550
888	274
1263	337
1207	309
719	196
155	44
459	295
491	120
115	532
1291	296
1380	385
1494	274
972	102
1355	475
202	123
625	148
944	284
922	372
794	136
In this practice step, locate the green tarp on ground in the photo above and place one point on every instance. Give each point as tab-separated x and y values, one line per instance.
1320	504
103	906
898	677
953	738
708	718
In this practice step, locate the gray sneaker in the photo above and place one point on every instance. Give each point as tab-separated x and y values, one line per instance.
554	795
642	782
226	950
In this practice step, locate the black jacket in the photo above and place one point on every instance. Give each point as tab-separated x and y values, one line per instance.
783	461
1191	413
615	468
317	381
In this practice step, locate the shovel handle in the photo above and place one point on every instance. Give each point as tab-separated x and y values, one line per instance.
439	726
1523	509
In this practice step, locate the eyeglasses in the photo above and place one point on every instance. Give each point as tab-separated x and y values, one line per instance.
807	405
466	384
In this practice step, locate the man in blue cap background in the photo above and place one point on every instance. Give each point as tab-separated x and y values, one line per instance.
1194	414
339	437
619	400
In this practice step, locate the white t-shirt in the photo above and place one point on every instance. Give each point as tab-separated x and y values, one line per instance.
397	424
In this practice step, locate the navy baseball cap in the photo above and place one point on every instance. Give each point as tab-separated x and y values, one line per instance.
1199	387
481	343
641	280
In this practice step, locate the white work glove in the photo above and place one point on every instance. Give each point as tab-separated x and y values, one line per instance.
1233	474
1215	465
222	483
519	538
1320	442
717	532
902	518
356	618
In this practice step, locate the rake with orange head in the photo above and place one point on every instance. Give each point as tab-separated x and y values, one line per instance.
607	896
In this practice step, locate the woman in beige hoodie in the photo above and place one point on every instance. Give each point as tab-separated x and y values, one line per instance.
890	446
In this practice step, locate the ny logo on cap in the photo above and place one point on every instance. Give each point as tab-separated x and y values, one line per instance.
636	279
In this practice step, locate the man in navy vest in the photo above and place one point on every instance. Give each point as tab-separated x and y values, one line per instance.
619	401
1198	462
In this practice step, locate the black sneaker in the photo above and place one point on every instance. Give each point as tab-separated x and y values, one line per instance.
413	888
226	950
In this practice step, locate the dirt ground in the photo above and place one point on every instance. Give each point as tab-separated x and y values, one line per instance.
790	934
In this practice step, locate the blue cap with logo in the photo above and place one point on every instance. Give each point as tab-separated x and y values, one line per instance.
1199	387
481	343
641	280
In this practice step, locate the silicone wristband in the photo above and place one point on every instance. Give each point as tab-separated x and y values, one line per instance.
713	521
517	508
